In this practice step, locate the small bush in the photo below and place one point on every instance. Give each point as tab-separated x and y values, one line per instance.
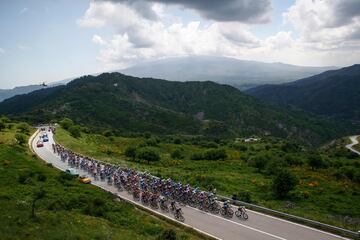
315	161
177	154
20	138
215	154
24	128
66	123
2	125
41	177
244	196
148	154
284	182
168	234
130	152
75	131
197	156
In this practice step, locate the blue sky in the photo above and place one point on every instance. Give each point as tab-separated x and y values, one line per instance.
54	40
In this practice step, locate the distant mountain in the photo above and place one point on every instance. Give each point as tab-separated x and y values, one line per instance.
8	93
129	104
333	93
238	73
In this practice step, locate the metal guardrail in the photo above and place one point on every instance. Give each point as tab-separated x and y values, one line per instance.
312	223
297	219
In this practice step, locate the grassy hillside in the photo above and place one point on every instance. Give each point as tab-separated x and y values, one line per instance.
334	93
69	209
134	105
326	193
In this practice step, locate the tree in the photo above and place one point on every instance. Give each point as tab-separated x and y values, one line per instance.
315	161
258	162
177	154
130	152
20	138
38	194
284	182
66	123
149	154
75	131
215	154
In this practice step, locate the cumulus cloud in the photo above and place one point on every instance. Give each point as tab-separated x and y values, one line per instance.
139	37
247	11
326	25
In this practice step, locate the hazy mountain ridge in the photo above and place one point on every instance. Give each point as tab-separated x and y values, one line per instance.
333	93
8	93
238	73
129	104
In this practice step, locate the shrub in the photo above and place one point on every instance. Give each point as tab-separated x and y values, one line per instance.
168	234
197	156
274	166
130	152
96	208
75	131
20	138
2	125
66	123
315	161
259	162
244	196
177	154
215	154
108	133
24	128
293	160
284	182
149	154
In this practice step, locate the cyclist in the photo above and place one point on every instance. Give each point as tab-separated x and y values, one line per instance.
226	205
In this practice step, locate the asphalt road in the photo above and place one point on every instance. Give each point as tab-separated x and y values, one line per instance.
354	141
259	226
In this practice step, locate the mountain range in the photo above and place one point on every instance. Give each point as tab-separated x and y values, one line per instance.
8	93
335	93
133	105
237	73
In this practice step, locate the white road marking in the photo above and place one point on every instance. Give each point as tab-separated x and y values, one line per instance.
254	229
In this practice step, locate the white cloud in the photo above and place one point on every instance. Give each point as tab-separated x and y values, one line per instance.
2	50
22	11
139	38
326	25
99	40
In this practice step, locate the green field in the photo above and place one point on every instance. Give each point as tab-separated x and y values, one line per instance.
69	209
320	195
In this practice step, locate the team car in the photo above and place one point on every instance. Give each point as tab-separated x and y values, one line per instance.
72	171
85	179
39	144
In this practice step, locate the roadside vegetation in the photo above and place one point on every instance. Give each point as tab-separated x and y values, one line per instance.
357	146
321	184
40	202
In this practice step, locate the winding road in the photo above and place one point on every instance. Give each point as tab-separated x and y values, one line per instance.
354	142
258	227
